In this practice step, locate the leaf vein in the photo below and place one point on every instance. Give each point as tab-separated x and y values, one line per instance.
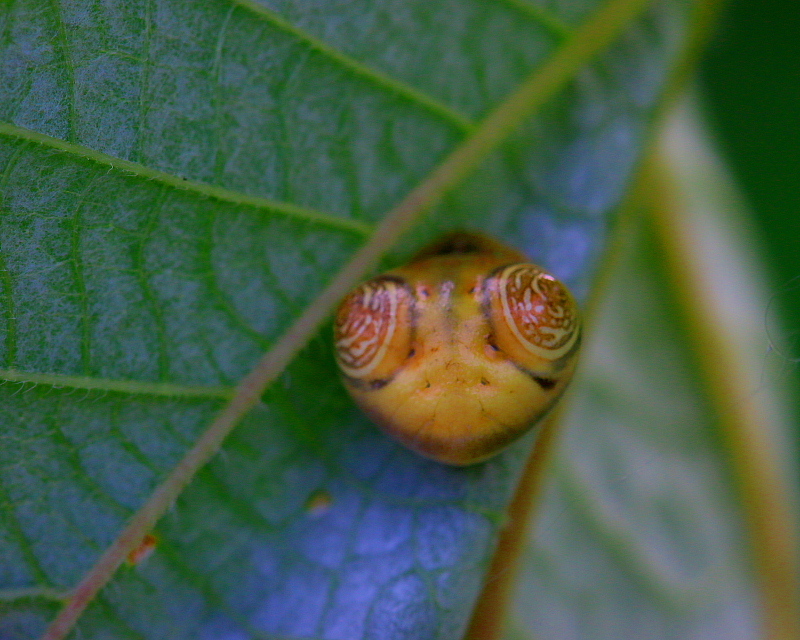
359	69
133	387
544	17
76	263
6	282
223	301
18	534
216	68
130	447
33	593
122	625
84	479
206	588
69	65
143	275
198	188
144	78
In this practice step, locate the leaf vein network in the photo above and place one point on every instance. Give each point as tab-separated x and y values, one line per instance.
6	282
76	261
63	45
132	387
464	124
198	188
18	534
143	276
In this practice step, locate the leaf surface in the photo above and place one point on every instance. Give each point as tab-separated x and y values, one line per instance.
179	180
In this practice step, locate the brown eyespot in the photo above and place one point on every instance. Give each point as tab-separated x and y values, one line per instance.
373	329
533	316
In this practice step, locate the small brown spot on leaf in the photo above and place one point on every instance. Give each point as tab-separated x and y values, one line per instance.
143	551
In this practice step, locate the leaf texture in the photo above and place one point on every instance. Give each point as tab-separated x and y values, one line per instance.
178	181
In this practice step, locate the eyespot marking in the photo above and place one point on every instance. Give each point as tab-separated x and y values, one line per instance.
461	351
538	310
372	330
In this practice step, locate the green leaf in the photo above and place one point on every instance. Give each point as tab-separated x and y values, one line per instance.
181	187
671	510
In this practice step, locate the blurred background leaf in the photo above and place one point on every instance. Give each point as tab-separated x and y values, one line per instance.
671	507
750	81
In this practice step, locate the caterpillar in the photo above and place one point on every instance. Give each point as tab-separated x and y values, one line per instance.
461	351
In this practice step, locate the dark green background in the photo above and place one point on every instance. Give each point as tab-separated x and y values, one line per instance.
751	84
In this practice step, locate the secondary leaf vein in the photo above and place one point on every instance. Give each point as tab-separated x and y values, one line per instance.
544	17
33	593
133	387
223	301
148	292
63	45
6	282
76	262
200	188
144	78
387	83
18	533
